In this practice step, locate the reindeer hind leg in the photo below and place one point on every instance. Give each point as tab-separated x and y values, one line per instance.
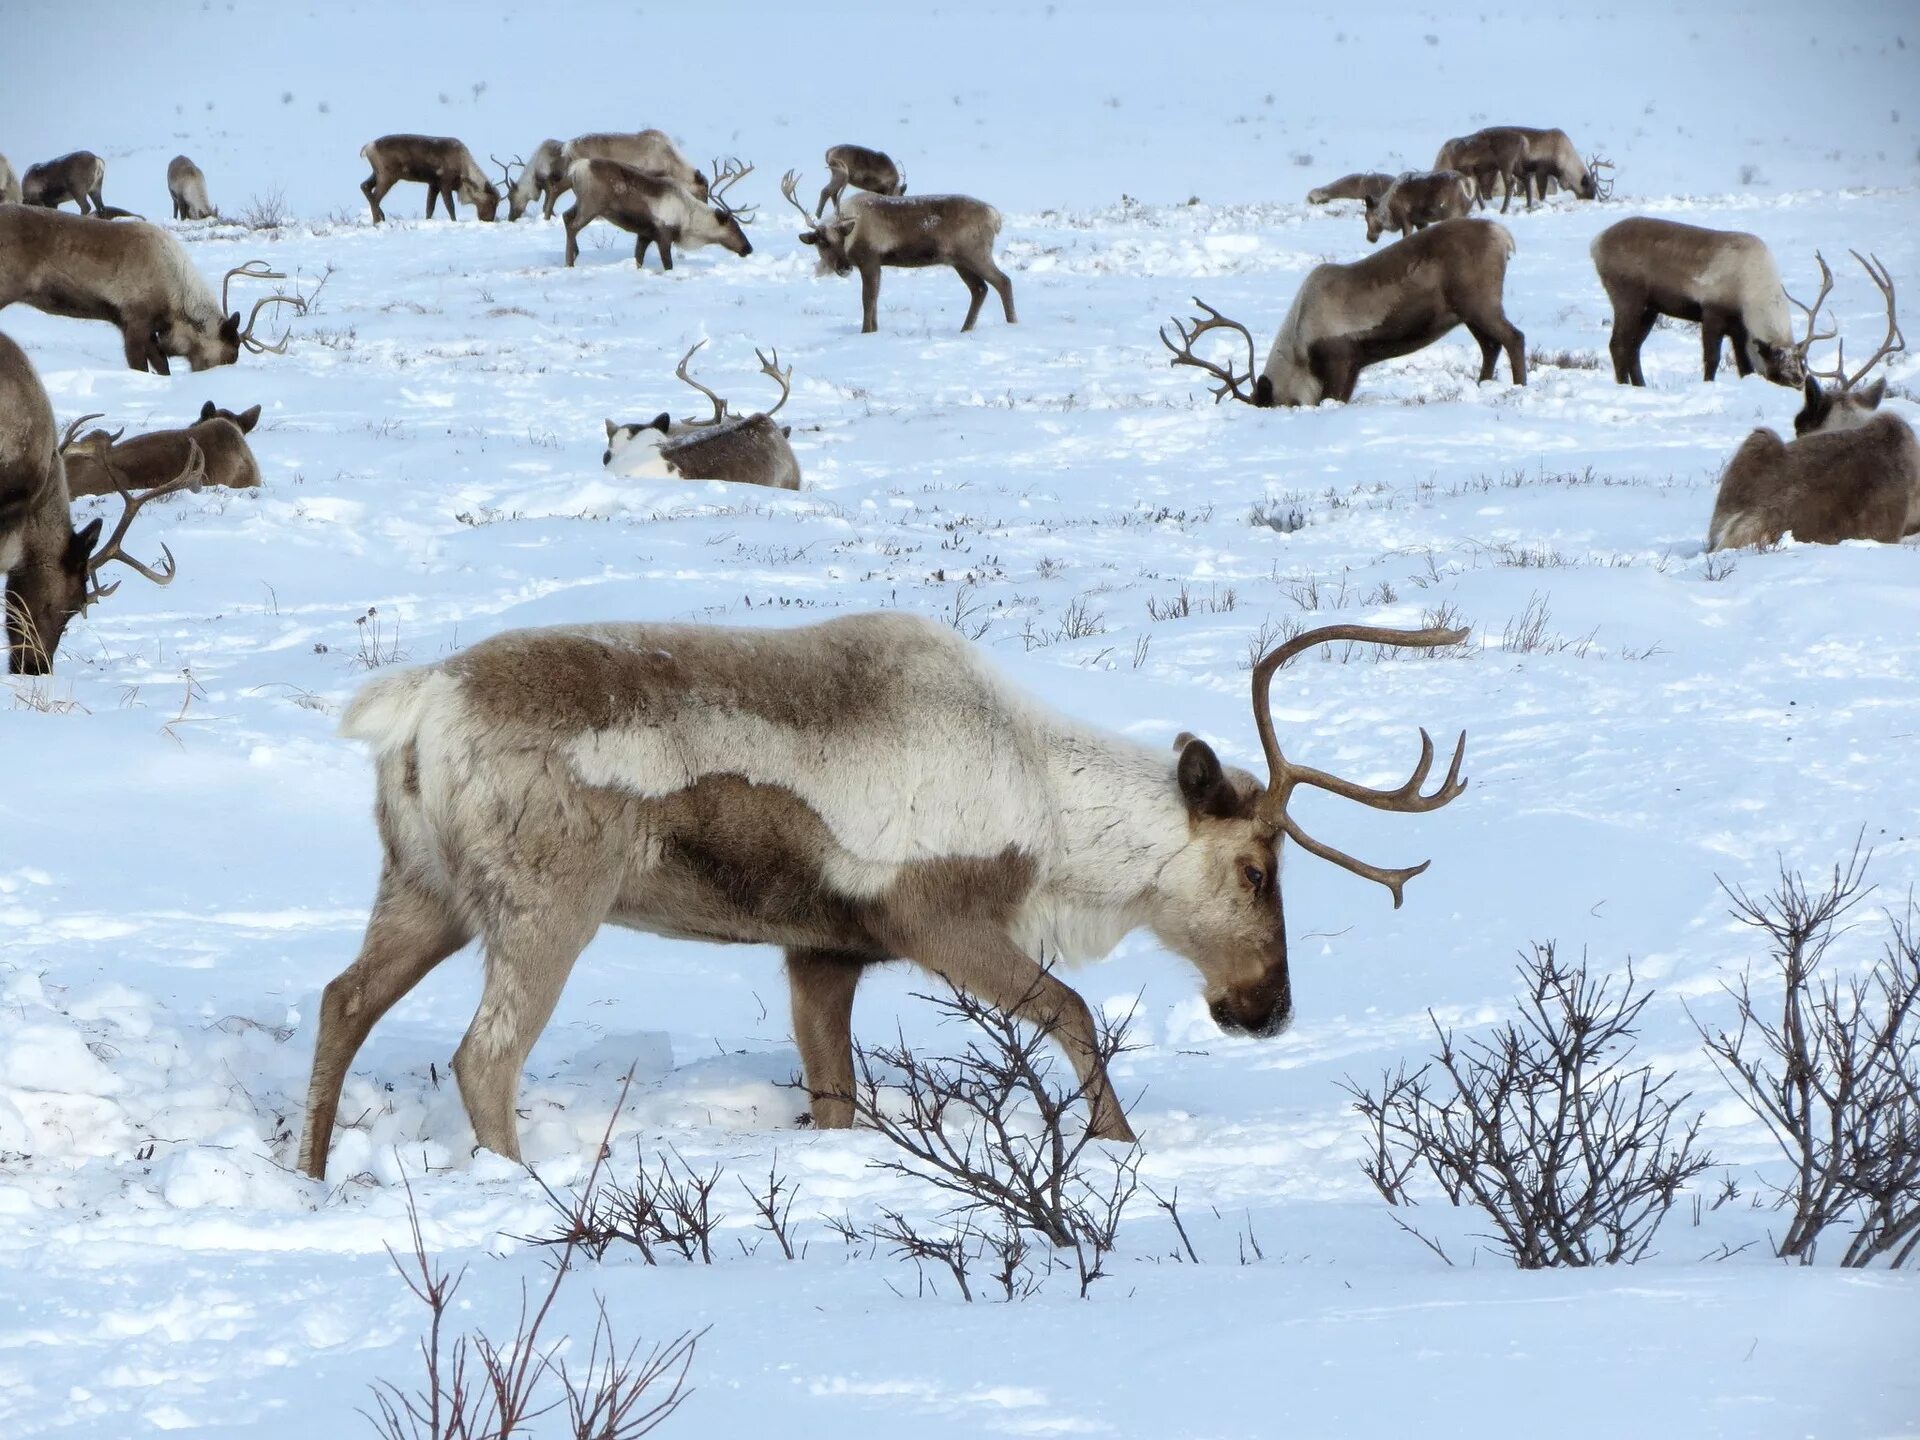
821	983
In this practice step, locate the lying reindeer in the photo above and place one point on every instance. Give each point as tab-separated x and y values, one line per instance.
1851	473
656	210
863	169
747	449
857	791
1347	317
543	178
188	187
1724	279
76	177
441	163
135	276
1416	201
907	231
100	463
52	570
1367	186
650	152
9	184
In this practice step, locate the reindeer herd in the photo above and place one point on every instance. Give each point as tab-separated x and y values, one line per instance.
865	789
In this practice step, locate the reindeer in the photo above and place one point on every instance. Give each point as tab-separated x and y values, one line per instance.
1724	279
76	177
135	276
656	210
863	169
1347	317
1366	186
649	151
747	449
857	791
188	187
910	232
1851	473
543	178
1498	153
99	463
1415	201
9	184
52	570
1552	159
1524	158
445	166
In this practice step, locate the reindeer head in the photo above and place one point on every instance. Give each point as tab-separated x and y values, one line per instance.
519	189
1218	901
246	419
727	174
828	237
1830	411
1376	216
204	344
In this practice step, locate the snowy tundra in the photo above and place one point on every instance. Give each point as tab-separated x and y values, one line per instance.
188	852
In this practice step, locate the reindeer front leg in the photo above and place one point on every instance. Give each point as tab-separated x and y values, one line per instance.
822	983
869	295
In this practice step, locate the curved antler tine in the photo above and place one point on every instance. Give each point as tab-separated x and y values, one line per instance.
1894	342
251	273
783	377
190	477
680	371
1191	331
74	429
788	183
260	347
1394	879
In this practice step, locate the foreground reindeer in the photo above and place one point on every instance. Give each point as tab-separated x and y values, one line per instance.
1414	202
875	231
9	184
863	169
655	209
1367	186
1852	473
100	463
52	570
1724	279
649	151
747	449
132	275
188	187
543	178
441	163
1347	317
859	791
76	177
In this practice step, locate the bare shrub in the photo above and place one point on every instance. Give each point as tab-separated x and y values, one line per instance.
666	1209
266	212
1836	1077
1281	515
1546	1126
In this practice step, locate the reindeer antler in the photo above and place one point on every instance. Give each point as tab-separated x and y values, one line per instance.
1285	776
1894	342
719	405
1183	354
187	479
257	270
788	183
1812	312
506	168
74	429
248	270
726	174
1595	164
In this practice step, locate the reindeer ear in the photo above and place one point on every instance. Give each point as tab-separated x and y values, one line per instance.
612	429
230	327
79	547
809	237
247	419
786	432
1200	776
1811	391
1873	394
663	422
206	411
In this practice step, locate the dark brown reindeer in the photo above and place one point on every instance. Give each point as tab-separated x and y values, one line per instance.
746	449
1415	201
1365	186
52	570
650	152
907	231
1553	160
444	165
1347	317
188	188
134	276
76	177
100	463
656	210
1724	279
1495	155
858	791
863	169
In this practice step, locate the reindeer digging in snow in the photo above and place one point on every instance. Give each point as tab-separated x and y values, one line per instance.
135	276
1366	186
656	210
543	178
188	187
650	152
858	791
53	570
1851	473
100	463
445	166
76	177
1347	317
1724	279
747	449
1414	202
9	184
910	231
863	169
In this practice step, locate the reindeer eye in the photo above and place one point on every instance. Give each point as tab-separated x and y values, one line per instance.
1256	877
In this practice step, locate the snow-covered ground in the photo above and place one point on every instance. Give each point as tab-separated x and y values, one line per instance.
186	851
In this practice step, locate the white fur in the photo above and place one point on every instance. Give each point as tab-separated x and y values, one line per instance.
635	454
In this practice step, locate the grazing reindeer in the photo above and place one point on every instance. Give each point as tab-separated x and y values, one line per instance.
1495	154
747	449
543	178
1851	473
908	231
1724	279
1367	186
9	184
1414	202
100	463
1347	317
1552	159
135	276
188	187
863	169
650	152
53	570
445	166
655	209
857	791
76	177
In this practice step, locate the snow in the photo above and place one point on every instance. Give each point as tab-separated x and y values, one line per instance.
186	850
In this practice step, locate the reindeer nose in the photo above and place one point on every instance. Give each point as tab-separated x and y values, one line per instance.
1263	1024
